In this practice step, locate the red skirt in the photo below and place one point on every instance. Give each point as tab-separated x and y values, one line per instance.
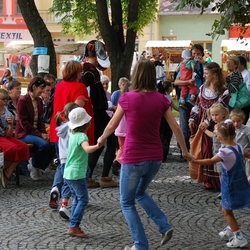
14	150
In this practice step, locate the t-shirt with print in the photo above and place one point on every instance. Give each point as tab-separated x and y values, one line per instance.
77	161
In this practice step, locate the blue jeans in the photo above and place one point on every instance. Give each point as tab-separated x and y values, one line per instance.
184	120
80	200
59	182
134	180
13	69
44	152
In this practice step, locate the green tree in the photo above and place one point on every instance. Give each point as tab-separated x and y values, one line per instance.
232	12
117	22
39	33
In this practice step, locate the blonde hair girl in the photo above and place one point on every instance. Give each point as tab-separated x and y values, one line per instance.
235	188
217	113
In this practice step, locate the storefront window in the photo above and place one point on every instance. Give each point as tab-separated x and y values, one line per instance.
1	6
1	56
18	11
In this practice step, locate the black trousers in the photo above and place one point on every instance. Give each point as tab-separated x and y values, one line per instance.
109	155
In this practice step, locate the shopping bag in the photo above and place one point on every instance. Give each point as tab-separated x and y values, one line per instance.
195	170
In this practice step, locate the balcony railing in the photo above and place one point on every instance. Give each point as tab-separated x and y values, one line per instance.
49	17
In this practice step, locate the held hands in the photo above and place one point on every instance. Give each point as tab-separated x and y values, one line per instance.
188	156
101	142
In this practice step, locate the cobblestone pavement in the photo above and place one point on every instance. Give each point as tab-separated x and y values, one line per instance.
27	222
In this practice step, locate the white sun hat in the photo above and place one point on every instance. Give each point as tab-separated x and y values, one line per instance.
78	117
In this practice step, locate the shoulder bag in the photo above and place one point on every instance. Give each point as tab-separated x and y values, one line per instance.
241	97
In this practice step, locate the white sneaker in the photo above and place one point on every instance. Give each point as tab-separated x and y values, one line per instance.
33	172
227	232
167	236
130	248
64	213
234	242
54	198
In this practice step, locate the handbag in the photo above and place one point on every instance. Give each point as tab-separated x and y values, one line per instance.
241	97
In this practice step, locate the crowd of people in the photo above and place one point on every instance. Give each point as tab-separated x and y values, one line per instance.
135	125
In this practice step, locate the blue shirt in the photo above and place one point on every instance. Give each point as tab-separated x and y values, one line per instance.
115	97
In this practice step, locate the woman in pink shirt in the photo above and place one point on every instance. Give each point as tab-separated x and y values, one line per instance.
143	108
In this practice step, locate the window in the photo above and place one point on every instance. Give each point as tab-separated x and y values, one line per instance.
169	38
18	11
1	6
207	45
1	55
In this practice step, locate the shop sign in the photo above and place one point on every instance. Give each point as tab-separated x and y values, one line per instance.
11	35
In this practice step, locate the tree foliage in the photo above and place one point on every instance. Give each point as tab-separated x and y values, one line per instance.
232	12
117	22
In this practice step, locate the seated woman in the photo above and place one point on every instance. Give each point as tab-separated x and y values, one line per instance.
31	129
14	150
14	88
6	76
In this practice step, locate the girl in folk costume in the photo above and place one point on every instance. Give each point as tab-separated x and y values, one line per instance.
212	91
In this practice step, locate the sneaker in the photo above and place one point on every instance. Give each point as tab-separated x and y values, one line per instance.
129	248
116	168
227	232
219	196
54	198
167	236
234	242
64	213
77	232
34	172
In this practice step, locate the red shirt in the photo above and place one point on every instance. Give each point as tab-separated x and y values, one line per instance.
66	92
13	58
